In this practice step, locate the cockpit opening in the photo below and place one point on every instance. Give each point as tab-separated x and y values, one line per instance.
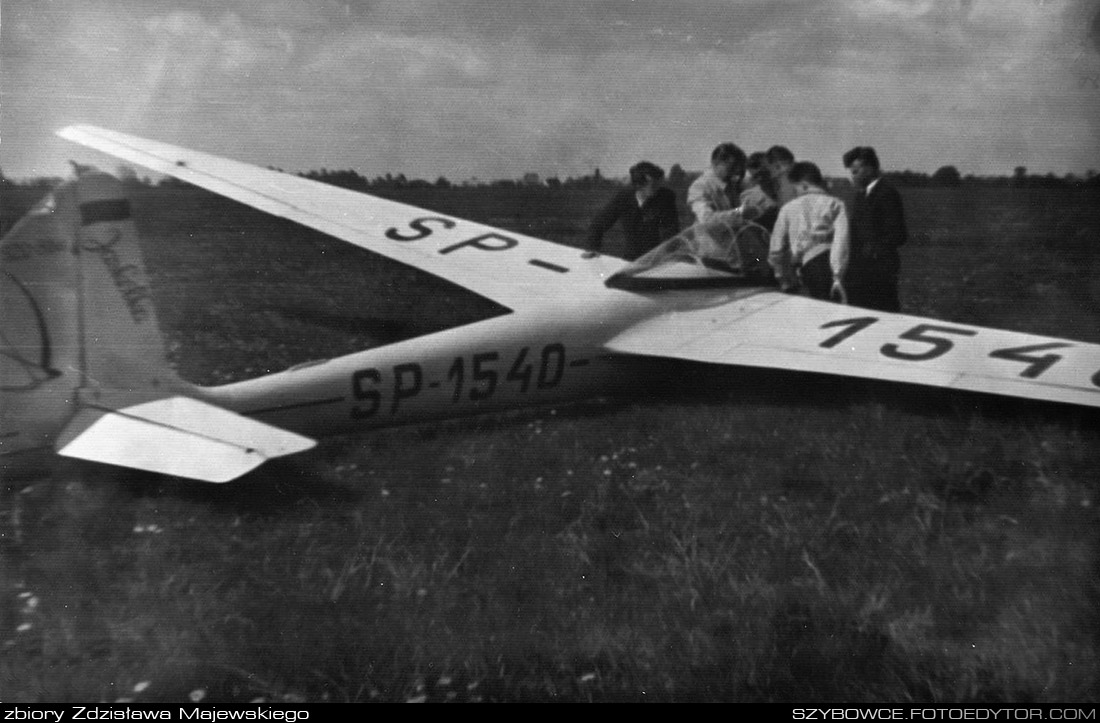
724	250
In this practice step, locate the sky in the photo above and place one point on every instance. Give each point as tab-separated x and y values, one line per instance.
489	89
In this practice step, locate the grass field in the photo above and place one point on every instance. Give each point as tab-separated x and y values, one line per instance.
743	536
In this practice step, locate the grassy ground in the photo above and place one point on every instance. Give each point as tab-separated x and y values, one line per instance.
746	536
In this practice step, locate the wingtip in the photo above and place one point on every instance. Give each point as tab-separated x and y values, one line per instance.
76	131
68	132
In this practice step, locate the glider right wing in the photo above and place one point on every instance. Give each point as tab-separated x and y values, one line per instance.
781	331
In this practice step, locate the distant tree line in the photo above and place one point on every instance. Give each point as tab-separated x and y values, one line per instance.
355	181
678	178
949	176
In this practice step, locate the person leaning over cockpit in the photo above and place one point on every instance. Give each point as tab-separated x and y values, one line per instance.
719	187
811	242
759	198
647	211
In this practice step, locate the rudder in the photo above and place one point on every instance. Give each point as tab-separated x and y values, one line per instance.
122	343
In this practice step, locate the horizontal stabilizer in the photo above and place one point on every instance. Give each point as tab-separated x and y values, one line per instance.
176	436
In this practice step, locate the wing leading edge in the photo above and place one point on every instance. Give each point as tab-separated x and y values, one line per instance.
515	270
776	330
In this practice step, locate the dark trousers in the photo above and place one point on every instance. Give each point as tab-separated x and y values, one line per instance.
817	276
873	284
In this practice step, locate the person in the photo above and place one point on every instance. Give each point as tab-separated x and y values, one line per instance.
810	242
878	230
647	211
758	200
717	188
780	161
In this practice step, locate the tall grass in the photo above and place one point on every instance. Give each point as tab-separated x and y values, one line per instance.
747	536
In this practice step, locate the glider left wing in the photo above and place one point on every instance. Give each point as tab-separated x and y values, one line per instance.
781	331
514	270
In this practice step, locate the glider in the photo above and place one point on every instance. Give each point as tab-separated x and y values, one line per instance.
84	371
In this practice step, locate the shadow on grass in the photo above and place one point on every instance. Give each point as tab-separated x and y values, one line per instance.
379	329
719	385
268	491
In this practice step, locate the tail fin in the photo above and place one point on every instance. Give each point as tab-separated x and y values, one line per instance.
122	343
83	361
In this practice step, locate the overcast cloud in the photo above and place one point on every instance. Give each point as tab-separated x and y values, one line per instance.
463	88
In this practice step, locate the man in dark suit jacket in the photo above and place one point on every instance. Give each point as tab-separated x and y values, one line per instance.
878	229
647	210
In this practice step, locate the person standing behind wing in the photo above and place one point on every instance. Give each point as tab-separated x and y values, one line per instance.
717	188
780	161
878	229
647	211
758	200
810	241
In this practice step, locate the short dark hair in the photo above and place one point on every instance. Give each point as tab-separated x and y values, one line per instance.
640	173
728	152
864	154
756	161
806	171
780	153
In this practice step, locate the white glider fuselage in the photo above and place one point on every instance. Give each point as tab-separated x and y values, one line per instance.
520	359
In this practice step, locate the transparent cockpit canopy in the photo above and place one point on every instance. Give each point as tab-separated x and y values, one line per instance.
724	250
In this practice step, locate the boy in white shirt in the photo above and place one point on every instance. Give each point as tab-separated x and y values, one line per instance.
716	189
810	242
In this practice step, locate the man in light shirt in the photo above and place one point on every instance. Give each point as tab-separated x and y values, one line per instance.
810	242
719	187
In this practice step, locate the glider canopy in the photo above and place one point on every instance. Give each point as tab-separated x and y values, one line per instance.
724	250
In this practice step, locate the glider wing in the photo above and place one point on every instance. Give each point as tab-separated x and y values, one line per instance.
780	331
514	270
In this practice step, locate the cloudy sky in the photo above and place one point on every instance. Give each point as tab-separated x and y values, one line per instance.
493	89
